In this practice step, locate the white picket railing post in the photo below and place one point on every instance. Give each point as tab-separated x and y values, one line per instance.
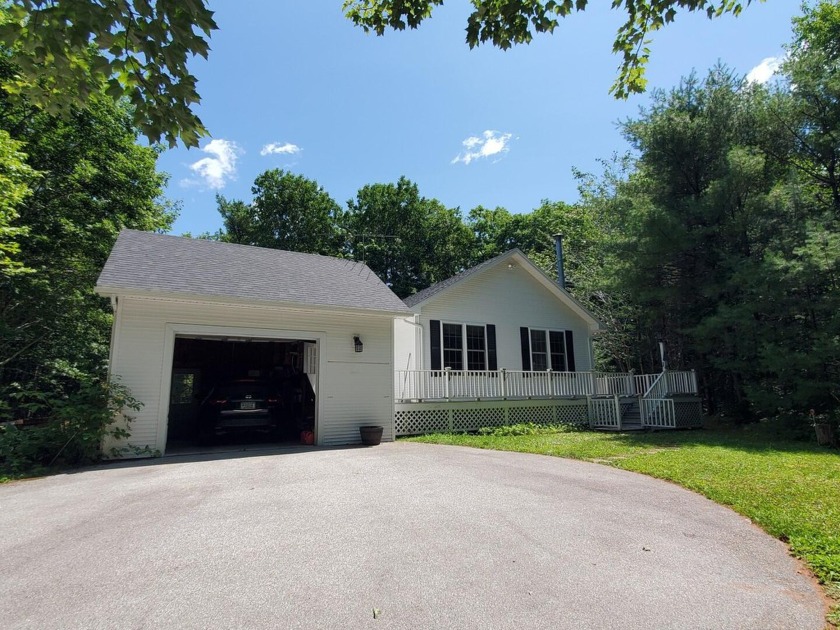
447	371
617	411
503	376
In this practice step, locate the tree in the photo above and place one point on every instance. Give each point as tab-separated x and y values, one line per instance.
507	22
66	50
288	212
729	246
409	241
95	180
588	231
15	178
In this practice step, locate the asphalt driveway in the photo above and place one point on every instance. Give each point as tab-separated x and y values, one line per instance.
429	536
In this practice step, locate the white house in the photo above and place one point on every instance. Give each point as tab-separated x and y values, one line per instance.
502	343
502	314
498	343
189	313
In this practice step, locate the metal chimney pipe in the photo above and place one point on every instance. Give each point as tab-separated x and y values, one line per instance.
561	270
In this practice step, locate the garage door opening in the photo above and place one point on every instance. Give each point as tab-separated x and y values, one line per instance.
239	391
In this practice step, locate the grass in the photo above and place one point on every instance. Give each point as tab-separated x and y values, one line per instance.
790	488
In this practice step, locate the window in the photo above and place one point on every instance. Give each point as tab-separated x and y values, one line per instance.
476	348
462	346
557	344
184	387
539	351
548	350
453	346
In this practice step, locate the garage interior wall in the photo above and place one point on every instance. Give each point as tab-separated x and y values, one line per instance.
353	388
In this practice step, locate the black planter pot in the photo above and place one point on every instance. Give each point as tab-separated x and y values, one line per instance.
371	435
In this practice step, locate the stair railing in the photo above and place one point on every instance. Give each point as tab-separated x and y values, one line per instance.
655	409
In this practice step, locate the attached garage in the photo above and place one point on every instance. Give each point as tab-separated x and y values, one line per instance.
191	316
227	390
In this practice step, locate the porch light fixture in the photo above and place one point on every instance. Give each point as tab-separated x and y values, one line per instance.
357	343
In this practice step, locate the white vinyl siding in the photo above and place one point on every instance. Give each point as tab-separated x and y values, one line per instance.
509	298
354	388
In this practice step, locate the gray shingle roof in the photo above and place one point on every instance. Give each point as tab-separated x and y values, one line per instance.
156	263
428	292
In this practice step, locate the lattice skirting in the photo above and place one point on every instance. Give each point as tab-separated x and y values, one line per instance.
689	412
418	418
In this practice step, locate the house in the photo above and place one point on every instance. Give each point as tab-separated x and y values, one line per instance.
189	314
502	343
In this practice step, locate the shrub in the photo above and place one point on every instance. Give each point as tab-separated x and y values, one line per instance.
526	428
72	431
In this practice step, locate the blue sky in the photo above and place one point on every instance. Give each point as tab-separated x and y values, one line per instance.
294	85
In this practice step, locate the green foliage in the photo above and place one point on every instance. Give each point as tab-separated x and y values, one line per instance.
15	179
526	428
288	212
64	51
505	23
54	331
728	239
409	241
72	430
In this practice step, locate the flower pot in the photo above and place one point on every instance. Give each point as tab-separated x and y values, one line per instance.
371	435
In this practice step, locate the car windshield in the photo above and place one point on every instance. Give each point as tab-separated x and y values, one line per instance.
242	390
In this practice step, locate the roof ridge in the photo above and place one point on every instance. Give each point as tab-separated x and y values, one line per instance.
226	244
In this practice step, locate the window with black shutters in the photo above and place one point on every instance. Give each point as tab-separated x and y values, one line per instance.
557	346
548	350
539	351
462	346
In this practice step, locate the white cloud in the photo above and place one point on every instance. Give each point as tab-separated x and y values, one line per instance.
490	143
215	171
275	148
765	70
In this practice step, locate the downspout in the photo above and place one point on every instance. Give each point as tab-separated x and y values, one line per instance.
419	355
111	349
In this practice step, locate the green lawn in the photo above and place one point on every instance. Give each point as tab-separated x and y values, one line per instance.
790	488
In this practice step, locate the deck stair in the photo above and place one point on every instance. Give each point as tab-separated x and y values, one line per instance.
631	418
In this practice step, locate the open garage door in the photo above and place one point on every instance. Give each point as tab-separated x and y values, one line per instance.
240	390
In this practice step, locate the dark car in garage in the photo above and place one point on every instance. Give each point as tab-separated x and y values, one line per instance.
241	405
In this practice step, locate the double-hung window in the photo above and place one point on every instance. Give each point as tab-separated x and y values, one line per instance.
547	350
453	346
461	346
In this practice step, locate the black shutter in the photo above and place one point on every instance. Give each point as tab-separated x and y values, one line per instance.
492	363
434	339
526	349
570	351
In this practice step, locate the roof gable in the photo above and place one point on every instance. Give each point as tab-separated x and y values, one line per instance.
416	301
146	262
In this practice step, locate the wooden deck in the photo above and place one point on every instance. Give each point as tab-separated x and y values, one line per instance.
441	400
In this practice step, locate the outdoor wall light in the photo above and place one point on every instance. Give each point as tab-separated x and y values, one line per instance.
357	343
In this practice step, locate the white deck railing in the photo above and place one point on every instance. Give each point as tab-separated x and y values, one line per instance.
516	384
604	413
658	413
